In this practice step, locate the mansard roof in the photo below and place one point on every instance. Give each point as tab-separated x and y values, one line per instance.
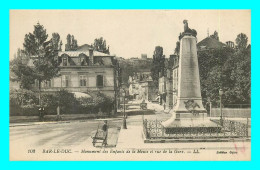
77	53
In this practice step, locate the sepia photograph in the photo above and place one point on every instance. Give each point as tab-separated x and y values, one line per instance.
130	85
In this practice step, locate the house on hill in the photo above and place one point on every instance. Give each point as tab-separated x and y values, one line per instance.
210	43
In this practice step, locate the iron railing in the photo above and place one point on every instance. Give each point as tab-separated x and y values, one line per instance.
153	129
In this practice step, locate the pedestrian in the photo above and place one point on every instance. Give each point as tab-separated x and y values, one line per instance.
43	113
104	129
58	118
40	114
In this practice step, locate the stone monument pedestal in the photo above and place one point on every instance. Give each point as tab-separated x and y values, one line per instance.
189	112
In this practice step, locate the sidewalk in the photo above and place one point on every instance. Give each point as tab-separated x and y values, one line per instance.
132	138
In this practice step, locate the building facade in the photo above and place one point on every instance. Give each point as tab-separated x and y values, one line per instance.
85	71
167	83
141	86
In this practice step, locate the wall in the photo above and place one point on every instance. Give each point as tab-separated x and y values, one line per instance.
90	72
232	112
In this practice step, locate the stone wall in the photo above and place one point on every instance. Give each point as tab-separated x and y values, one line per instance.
232	112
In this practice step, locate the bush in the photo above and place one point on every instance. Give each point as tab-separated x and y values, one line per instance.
24	103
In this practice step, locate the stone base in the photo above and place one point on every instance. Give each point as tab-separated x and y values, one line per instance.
189	120
190	125
190	116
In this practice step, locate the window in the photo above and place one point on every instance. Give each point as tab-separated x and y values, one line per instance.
65	61
65	81
100	81
47	83
81	61
83	80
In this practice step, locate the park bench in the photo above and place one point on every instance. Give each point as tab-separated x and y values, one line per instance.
100	137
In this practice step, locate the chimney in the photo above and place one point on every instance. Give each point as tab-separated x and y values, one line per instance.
91	56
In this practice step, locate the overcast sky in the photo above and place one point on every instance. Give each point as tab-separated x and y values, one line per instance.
129	33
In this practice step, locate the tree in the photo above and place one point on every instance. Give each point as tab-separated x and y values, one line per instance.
56	43
60	49
157	65
68	45
72	43
212	76
43	53
241	41
228	69
177	48
101	46
238	70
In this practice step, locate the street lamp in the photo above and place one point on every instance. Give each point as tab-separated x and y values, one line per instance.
221	114
124	116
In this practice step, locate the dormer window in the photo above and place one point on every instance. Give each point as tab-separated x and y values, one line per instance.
81	61
65	61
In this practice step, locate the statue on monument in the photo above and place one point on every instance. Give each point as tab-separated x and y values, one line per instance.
191	105
187	30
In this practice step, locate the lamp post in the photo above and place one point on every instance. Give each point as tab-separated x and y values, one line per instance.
221	114
124	116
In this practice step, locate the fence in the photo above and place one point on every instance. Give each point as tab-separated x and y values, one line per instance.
153	129
235	127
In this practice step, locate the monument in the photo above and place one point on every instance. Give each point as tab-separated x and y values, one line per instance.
189	111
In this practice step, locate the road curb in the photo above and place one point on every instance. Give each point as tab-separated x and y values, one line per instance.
37	123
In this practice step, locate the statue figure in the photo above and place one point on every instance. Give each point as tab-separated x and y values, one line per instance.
187	30
191	105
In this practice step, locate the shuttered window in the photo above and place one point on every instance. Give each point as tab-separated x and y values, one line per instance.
83	81
100	81
65	80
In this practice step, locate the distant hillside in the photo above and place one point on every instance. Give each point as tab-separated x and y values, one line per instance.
129	66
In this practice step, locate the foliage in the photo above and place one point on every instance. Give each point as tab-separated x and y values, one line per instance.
71	105
96	102
177	48
100	45
241	41
23	98
42	52
56	43
158	64
128	69
24	73
228	69
72	43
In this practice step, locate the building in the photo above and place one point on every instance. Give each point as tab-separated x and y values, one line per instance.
141	86
144	56
166	88
230	44
175	73
84	70
140	61
210	43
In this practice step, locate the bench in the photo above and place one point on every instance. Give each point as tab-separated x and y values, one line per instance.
100	137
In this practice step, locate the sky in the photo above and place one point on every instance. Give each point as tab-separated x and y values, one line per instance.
129	33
